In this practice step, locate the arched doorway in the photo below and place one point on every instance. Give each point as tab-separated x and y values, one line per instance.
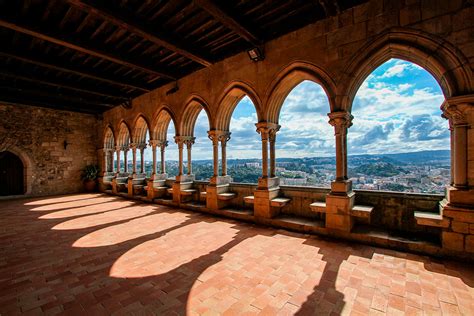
11	174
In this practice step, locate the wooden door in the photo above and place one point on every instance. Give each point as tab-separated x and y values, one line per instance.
11	174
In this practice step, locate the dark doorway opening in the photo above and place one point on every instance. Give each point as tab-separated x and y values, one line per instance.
11	174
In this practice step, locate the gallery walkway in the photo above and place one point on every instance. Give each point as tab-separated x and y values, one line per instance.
97	254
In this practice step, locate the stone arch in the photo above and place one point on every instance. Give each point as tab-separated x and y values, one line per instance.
28	169
440	58
109	138
229	99
124	135
188	118
141	126
161	122
289	78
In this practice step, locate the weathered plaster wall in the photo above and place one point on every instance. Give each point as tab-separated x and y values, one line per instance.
39	136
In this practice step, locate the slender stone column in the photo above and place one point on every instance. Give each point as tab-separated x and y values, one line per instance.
125	159
224	137
133	147
272	139
142	157
163	145
214	137
189	143
459	126
105	165
117	150
153	144
341	121
179	141
265	129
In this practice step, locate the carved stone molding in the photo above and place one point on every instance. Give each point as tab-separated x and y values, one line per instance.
341	121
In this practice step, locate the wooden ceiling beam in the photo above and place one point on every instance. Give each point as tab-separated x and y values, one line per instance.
135	27
228	21
57	84
34	93
80	47
69	69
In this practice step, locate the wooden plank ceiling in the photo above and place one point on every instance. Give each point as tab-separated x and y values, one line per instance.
91	55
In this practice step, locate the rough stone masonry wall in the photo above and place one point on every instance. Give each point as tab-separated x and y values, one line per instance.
39	135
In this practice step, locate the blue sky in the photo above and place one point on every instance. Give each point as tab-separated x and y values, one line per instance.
395	110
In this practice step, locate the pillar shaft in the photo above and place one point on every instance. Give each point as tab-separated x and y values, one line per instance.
125	160
163	161
180	162
268	132
341	121
134	158
214	137
142	160
190	165
272	140
460	155
118	160
153	151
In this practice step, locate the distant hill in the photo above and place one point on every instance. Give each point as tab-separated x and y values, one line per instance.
379	168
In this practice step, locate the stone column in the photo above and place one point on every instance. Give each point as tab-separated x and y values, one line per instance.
117	150
267	131
189	144
341	122
224	137
458	208
163	145
458	126
133	147
179	141
142	157
125	159
153	144
272	138
105	164
214	137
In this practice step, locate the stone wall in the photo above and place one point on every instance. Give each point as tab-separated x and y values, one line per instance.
38	139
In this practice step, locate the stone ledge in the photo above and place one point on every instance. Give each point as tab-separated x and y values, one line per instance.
431	219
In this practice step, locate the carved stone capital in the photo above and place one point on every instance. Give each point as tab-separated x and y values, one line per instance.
454	112
341	121
218	136
267	130
132	146
181	140
118	148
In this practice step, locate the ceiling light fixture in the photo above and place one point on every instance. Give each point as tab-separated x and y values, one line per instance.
256	54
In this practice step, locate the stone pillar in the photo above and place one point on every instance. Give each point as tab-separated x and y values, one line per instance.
214	137
133	147
117	150
142	157
163	145
272	140
341	122
458	207
267	131
340	201
224	137
179	141
153	144
189	144
105	161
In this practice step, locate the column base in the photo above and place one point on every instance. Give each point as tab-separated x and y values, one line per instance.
268	183
463	197
341	187
212	200
262	202
458	210
177	188
338	211
220	180
159	176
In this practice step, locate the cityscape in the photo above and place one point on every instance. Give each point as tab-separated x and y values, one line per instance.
417	172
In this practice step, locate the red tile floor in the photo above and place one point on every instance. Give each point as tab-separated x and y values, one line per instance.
96	254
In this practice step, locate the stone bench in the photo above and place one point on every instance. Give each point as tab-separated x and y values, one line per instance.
226	196
188	192
431	219
360	211
249	199
279	202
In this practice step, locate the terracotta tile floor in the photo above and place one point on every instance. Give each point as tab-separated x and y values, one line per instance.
96	254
